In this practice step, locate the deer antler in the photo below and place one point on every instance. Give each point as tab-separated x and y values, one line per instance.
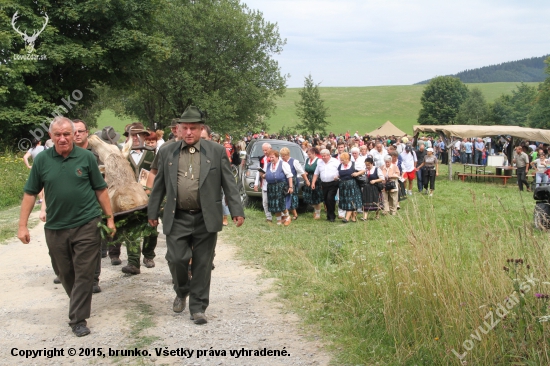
13	19
36	34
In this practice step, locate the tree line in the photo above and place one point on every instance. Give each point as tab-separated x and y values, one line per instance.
148	59
447	100
526	70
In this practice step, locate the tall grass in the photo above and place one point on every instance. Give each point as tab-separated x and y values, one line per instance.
409	289
13	175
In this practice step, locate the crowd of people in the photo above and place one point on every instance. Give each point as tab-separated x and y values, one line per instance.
373	173
362	173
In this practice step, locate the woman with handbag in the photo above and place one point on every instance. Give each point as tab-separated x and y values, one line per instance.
391	176
312	196
350	195
372	197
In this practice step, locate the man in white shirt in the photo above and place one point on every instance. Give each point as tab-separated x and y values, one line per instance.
263	164
327	172
408	164
378	154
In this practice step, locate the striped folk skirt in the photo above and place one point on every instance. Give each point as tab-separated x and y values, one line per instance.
276	194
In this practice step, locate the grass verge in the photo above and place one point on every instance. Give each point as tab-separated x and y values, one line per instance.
424	287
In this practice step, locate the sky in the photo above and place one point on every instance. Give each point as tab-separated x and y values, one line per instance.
389	42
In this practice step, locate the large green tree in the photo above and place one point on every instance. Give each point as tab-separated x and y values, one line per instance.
474	110
514	109
221	60
441	100
540	115
311	109
84	44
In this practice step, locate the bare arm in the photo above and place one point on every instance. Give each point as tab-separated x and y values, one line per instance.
26	208
26	159
105	203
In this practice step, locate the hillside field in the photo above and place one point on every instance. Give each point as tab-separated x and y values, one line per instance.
353	108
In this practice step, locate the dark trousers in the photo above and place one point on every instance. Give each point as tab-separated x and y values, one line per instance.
113	250
429	177
444	157
149	245
74	254
329	194
468	158
190	239
522	178
478	158
419	179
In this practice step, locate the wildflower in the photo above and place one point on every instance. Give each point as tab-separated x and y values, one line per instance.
505	268
528	267
436	338
544	319
538	296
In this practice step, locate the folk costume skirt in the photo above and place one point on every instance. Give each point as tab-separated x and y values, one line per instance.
372	198
291	200
313	196
350	195
276	194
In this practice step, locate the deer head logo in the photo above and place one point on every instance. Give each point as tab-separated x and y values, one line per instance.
29	40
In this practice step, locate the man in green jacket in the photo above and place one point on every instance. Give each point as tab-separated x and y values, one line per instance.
190	175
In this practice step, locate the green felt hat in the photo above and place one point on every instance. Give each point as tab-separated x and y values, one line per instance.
192	115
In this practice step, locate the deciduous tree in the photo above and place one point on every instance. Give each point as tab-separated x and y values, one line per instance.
474	110
221	60
85	43
441	100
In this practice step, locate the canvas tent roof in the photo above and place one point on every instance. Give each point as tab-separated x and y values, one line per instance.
468	131
387	129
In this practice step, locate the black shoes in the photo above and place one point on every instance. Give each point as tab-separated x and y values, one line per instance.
115	261
96	289
56	280
80	330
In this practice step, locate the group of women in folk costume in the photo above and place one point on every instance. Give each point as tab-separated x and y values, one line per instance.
282	185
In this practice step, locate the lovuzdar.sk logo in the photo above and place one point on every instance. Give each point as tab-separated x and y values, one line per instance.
29	40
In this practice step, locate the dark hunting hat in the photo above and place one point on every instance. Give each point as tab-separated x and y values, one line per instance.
109	135
192	115
135	128
174	122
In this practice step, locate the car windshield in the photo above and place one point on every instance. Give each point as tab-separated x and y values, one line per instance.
295	151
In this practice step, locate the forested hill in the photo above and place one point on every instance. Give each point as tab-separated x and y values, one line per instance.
526	70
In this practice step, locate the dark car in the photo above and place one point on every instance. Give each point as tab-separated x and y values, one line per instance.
252	163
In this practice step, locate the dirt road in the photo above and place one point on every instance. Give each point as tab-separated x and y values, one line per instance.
135	313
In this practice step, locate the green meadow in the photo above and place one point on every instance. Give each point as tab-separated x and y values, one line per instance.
433	285
364	109
352	108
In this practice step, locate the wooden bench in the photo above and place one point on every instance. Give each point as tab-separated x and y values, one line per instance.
504	178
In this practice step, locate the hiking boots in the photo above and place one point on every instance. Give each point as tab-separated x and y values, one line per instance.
131	269
149	262
115	261
179	304
199	318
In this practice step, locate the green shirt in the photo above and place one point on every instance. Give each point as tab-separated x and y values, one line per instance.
69	187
